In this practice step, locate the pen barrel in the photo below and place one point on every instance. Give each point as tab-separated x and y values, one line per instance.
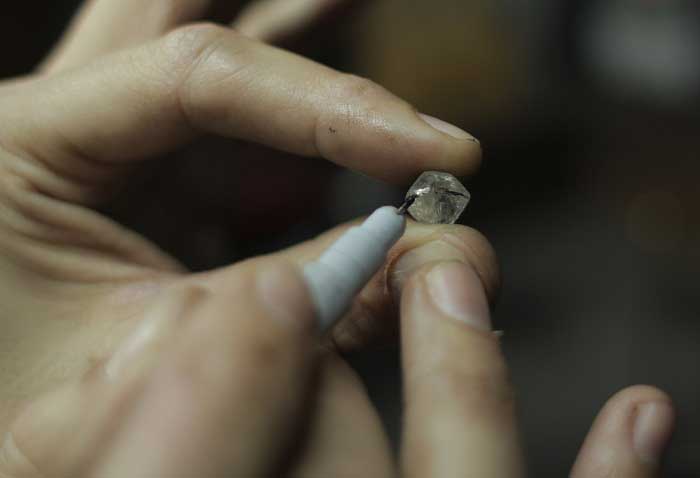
335	278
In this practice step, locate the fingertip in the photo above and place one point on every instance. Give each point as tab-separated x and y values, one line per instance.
429	244
630	434
361	119
449	129
652	419
621	408
635	394
460	152
653	428
435	150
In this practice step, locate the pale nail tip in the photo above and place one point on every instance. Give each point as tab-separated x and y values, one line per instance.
449	129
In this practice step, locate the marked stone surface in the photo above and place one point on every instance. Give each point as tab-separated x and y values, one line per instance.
438	198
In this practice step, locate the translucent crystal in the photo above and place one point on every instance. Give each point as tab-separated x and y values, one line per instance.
438	198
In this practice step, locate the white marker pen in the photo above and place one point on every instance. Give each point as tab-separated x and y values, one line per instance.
342	271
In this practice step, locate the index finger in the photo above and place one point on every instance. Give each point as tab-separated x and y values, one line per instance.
207	78
460	414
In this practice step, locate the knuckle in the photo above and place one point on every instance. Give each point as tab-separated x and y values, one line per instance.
358	90
187	46
198	56
354	102
194	36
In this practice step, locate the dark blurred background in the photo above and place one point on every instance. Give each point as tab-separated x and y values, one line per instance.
589	116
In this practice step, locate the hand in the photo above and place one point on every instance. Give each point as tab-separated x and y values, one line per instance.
76	284
70	135
196	392
460	409
118	90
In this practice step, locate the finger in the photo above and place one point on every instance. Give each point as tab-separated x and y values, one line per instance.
207	78
272	20
629	436
373	315
346	438
460	417
228	396
104	26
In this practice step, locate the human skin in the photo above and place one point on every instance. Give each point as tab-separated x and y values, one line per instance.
115	361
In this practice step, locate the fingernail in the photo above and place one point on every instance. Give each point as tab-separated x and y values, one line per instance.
139	349
447	128
653	428
457	291
439	250
285	296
